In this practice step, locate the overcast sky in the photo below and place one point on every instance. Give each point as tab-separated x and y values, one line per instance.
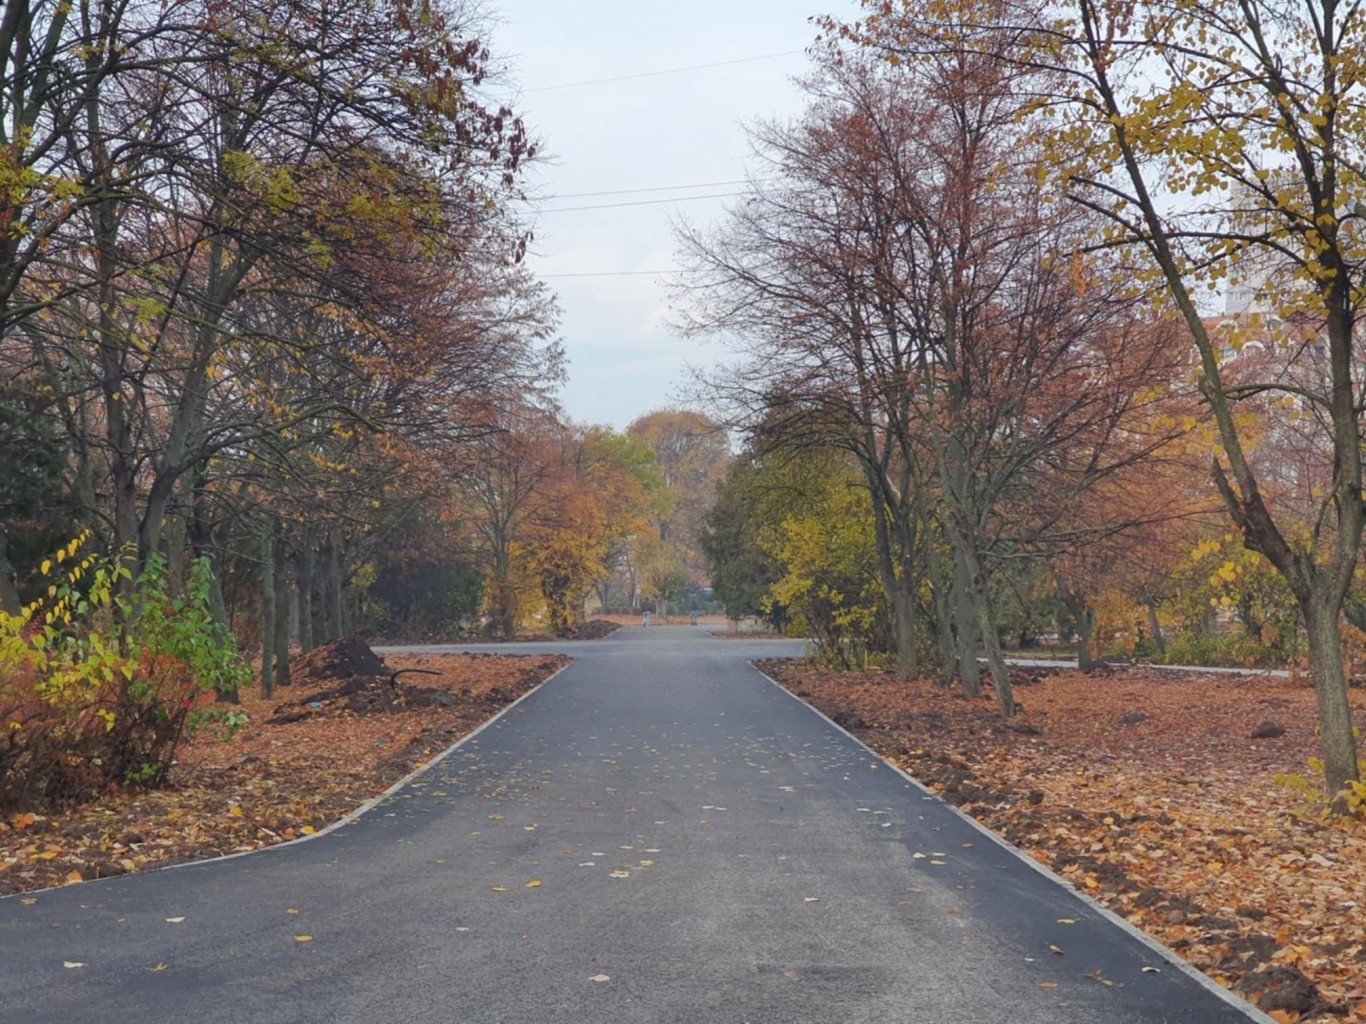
680	129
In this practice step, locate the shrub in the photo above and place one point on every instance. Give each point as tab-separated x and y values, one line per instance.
97	689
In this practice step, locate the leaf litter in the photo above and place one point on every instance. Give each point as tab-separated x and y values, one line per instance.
308	756
1176	821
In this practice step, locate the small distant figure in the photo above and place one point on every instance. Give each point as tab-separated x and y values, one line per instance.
694	617
645	620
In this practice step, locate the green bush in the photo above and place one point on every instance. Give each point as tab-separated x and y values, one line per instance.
98	688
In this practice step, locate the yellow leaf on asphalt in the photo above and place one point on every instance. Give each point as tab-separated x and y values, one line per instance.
620	874
535	883
29	901
599	978
72	963
291	910
1055	949
159	968
174	920
1066	920
500	888
303	938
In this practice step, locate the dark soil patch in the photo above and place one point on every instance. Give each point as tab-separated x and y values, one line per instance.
342	659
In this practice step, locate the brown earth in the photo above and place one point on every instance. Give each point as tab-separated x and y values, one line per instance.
343	732
1146	790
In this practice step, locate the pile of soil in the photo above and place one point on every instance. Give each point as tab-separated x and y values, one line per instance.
342	659
593	629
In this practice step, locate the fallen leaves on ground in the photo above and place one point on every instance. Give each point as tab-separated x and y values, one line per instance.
1145	790
314	752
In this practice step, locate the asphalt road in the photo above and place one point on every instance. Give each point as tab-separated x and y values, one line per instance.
705	849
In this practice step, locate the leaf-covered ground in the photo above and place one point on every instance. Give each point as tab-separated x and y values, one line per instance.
1146	790
308	756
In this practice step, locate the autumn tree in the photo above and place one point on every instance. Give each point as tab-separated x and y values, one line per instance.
1250	117
691	453
912	299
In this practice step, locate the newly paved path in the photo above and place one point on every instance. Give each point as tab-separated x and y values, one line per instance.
711	846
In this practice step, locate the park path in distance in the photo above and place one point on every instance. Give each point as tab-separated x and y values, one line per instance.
659	817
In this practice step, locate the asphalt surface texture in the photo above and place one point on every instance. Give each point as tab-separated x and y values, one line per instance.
658	834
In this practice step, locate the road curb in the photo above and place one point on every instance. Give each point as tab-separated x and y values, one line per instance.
1196	975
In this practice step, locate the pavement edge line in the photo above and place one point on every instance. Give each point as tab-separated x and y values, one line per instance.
350	818
1170	956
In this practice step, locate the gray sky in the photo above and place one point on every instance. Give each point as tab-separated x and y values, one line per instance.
681	129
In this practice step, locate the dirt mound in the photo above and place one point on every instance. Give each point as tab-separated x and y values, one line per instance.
594	629
342	659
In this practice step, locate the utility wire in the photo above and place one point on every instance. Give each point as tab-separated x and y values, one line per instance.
643	202
666	71
617	273
657	188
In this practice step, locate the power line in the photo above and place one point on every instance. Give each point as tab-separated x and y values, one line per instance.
643	202
659	188
666	71
616	273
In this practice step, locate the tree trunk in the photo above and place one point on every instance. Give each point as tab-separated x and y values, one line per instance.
1337	744
282	598
942	592
965	617
317	598
202	545
267	611
903	614
9	593
335	605
173	545
996	662
304	585
1159	641
1085	621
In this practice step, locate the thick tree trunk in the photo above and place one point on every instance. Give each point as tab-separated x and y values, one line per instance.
1337	745
173	546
